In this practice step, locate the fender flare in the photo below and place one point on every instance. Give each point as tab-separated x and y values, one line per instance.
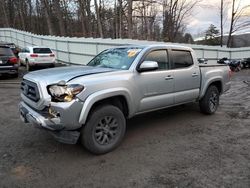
208	83
104	94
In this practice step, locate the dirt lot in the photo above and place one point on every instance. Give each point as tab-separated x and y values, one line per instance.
177	147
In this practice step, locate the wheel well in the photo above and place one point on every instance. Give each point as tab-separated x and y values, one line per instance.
218	84
118	101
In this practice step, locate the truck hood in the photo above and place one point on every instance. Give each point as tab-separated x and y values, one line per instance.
68	73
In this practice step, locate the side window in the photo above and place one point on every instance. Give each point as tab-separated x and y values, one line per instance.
161	57
27	50
181	59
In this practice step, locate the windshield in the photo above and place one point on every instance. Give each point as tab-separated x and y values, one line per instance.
119	58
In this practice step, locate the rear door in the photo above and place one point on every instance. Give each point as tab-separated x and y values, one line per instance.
186	76
156	87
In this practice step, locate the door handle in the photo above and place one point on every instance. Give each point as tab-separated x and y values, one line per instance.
169	77
194	74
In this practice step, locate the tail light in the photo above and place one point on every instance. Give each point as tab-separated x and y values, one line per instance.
33	55
52	55
13	60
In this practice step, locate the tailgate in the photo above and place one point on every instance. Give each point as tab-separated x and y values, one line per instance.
45	58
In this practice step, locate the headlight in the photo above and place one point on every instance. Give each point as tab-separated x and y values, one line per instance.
64	93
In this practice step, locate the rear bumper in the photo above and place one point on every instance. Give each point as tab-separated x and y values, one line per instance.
9	69
38	64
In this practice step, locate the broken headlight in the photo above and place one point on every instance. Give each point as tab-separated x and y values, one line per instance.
64	93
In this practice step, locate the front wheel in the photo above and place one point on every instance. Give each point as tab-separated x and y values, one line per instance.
210	101
104	129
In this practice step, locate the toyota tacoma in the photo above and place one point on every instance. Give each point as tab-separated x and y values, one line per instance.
91	103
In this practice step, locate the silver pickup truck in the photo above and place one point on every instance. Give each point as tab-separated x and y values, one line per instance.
91	103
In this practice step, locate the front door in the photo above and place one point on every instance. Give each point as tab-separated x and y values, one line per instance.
156	87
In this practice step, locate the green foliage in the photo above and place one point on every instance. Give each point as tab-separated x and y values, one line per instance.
212	36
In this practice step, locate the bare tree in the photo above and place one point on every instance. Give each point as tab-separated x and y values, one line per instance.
5	17
59	15
174	14
221	21
223	11
83	20
99	22
98	18
238	20
46	8
130	11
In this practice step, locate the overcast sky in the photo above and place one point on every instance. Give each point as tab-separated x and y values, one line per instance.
208	13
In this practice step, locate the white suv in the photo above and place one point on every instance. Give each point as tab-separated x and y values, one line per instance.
32	56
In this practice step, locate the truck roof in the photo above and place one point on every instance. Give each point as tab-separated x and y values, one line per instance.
170	46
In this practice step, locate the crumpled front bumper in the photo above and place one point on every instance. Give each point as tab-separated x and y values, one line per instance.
60	127
29	115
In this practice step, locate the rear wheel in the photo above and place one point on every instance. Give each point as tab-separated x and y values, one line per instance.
210	101
52	65
104	129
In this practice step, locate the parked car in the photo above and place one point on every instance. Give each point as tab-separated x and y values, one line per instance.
246	63
234	64
12	46
8	61
94	100
34	56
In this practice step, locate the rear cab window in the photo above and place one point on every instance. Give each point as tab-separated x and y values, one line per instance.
42	51
181	59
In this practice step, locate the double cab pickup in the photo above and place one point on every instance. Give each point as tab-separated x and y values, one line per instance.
91	103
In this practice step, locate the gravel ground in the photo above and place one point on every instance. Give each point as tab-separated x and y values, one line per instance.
177	147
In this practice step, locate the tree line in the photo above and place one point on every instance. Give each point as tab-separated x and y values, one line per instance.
158	20
138	19
239	20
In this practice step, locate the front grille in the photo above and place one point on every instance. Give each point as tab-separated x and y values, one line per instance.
30	90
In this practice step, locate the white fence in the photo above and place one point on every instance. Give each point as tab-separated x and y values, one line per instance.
81	50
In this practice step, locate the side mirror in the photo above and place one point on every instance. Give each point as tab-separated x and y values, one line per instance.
148	66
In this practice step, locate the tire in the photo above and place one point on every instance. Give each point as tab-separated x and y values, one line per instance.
104	130
210	101
52	66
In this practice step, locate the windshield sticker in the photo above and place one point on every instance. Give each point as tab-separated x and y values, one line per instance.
133	52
